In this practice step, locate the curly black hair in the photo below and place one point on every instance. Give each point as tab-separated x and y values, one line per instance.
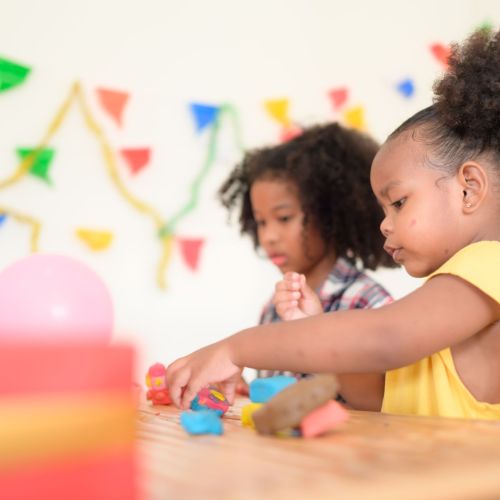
330	165
464	120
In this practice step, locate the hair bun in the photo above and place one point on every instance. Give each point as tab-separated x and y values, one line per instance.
467	98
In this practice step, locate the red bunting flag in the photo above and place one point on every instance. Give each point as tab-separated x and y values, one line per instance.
441	53
113	102
338	97
190	249
136	158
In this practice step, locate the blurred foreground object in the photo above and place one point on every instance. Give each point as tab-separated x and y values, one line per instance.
67	419
46	297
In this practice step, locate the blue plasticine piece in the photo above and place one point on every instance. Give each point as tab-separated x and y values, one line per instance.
263	389
201	422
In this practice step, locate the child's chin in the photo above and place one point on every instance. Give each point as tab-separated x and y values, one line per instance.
417	273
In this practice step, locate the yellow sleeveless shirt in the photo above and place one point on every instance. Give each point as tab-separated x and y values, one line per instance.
432	386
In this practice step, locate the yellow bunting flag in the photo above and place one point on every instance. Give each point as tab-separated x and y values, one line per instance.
95	240
278	109
355	117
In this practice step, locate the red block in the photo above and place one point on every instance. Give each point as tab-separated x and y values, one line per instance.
64	368
107	476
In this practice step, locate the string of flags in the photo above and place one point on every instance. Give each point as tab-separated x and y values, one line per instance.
37	161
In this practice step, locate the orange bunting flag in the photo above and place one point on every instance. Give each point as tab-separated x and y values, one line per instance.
95	240
441	53
190	249
278	109
355	117
338	97
113	102
136	158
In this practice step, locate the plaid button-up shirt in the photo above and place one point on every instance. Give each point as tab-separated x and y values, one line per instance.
346	287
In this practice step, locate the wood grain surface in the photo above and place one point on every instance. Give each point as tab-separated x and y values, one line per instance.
370	456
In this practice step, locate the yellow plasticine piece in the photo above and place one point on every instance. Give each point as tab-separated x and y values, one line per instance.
95	240
247	412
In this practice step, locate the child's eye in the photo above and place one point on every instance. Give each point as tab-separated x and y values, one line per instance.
284	218
398	203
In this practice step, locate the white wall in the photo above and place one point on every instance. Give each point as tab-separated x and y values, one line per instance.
166	54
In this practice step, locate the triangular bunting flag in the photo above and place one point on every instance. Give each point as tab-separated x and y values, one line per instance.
190	249
113	102
355	117
441	53
11	74
41	161
485	26
288	133
406	88
203	114
278	109
136	158
338	97
3	218
95	240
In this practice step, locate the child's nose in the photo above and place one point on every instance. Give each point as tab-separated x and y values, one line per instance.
268	234
386	226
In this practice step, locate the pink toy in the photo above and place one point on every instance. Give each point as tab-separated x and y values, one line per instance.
157	385
322	419
46	297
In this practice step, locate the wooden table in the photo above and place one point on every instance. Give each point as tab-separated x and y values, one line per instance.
370	456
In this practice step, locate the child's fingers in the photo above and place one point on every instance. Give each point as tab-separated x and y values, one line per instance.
177	380
306	290
291	280
284	296
230	391
190	392
286	309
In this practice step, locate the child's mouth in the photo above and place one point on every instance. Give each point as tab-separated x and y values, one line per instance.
278	260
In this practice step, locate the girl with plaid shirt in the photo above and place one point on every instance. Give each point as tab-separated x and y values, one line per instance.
309	207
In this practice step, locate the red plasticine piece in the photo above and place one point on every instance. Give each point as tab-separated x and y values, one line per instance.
322	419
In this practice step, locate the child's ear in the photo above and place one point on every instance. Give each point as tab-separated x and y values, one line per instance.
474	181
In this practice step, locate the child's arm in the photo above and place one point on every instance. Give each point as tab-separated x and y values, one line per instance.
443	312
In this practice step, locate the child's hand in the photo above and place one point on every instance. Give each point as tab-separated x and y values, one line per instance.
294	299
210	365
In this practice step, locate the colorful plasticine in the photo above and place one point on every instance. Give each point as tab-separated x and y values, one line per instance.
288	408
263	389
246	414
201	422
323	419
157	386
209	398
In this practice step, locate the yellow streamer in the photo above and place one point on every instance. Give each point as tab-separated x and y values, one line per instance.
35	225
76	94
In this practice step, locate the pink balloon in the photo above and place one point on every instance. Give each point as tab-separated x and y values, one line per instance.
53	297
